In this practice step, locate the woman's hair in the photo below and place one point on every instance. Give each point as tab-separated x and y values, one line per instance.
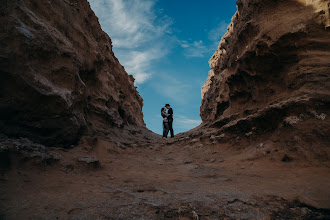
162	109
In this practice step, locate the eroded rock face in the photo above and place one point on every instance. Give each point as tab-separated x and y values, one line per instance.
59	78
272	63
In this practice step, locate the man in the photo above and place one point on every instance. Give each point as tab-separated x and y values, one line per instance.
170	119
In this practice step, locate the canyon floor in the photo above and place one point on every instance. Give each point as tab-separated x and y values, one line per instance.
182	178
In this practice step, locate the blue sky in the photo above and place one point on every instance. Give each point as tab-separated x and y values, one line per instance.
166	45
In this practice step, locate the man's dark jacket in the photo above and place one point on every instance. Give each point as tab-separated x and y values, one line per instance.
170	112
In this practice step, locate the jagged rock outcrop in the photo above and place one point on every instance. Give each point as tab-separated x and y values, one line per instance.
59	78
273	63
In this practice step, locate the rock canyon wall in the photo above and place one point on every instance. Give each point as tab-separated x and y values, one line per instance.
271	70
59	78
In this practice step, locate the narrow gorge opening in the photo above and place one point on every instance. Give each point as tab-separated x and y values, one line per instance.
166	51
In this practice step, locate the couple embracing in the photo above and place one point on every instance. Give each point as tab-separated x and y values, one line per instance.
167	114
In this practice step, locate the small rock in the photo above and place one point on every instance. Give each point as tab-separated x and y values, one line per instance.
304	211
90	160
215	152
121	145
188	161
253	202
194	140
221	160
248	134
322	116
182	210
87	147
200	146
212	138
266	152
214	142
291	120
194	215
212	160
222	136
242	167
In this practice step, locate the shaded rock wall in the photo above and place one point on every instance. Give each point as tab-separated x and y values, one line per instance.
59	78
272	63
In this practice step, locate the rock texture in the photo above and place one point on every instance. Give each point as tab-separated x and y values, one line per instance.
273	63
59	78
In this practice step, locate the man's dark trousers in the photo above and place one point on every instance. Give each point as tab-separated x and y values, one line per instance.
170	125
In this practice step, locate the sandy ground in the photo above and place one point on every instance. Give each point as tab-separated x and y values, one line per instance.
166	180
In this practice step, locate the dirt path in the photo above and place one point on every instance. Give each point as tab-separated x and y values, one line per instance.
165	180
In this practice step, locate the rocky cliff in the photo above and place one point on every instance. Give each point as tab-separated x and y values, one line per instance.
59	78
271	70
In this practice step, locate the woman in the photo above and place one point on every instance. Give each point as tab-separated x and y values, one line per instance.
165	123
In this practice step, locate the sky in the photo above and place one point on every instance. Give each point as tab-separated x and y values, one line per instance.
166	45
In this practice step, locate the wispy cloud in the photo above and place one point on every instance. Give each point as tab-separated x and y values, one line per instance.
194	48
199	48
216	33
138	34
184	122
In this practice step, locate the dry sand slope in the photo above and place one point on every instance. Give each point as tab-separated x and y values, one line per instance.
177	179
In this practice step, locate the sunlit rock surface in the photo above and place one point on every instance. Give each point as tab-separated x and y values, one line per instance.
272	63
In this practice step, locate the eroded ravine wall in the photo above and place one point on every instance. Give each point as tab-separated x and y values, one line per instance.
275	55
59	78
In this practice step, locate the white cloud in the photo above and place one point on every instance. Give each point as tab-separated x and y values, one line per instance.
186	123
139	62
194	48
200	48
138	34
184	43
216	33
141	77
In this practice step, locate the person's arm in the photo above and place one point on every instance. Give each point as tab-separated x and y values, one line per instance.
164	114
170	111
